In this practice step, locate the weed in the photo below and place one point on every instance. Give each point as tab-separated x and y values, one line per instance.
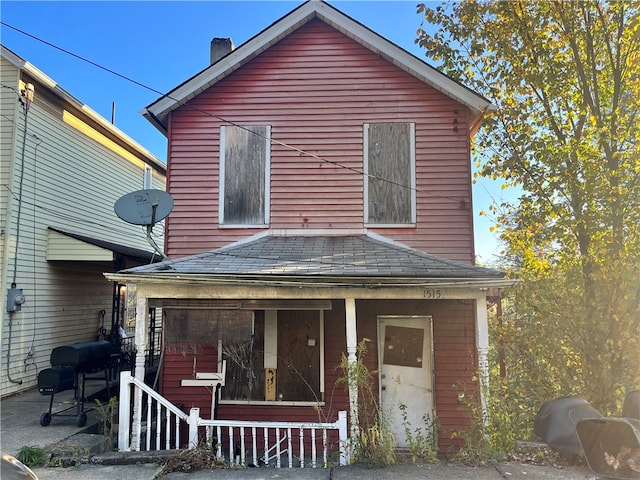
490	436
375	442
108	413
32	456
423	440
203	457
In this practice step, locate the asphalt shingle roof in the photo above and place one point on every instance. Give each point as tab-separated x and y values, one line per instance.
326	256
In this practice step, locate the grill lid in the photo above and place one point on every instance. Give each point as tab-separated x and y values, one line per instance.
83	357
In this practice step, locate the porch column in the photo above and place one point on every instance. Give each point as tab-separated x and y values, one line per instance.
142	313
352	358
482	345
141	332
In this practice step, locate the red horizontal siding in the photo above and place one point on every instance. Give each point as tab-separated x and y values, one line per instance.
316	88
180	365
454	347
454	364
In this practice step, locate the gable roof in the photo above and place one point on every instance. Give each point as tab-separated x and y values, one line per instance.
346	259
157	112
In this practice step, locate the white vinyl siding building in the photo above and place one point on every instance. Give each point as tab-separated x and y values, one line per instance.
59	229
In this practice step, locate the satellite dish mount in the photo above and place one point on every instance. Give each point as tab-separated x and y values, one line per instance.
146	208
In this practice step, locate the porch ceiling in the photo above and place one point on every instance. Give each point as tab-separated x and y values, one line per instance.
359	259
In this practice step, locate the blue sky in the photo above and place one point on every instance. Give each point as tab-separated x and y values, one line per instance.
160	44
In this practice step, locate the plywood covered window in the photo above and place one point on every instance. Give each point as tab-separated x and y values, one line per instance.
244	175
280	361
389	183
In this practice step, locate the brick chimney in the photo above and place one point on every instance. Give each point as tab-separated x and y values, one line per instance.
220	47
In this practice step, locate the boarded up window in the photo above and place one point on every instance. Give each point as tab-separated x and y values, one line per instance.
389	163
297	376
245	366
244	166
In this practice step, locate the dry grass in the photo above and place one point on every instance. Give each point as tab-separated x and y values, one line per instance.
201	458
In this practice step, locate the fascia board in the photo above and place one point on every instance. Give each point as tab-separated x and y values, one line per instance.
227	65
343	23
404	60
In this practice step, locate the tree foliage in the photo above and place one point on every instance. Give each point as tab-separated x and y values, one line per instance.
565	81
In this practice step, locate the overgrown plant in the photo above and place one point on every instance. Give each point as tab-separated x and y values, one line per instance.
108	413
32	456
423	439
475	448
490	436
563	77
375	442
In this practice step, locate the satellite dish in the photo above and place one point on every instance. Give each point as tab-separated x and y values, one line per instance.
144	207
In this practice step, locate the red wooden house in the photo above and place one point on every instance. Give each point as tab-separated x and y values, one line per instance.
321	179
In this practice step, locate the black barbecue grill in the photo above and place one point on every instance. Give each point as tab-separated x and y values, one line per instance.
70	364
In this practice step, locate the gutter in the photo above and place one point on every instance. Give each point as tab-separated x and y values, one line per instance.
311	282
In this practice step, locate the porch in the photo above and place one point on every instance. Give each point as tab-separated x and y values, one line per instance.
154	423
275	314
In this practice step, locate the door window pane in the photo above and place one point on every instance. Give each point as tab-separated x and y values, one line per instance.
403	346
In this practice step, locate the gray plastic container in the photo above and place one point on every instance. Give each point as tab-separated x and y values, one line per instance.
611	436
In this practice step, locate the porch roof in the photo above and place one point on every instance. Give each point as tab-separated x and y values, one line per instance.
362	257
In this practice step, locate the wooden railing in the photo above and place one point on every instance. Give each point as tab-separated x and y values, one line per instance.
145	414
148	421
301	444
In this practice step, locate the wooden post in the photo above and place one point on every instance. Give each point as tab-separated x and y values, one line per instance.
194	417
124	421
270	354
352	349
482	346
345	454
142	313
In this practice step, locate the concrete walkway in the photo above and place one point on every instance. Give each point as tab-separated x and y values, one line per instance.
20	426
440	471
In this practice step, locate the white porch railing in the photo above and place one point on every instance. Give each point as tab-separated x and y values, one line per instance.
161	424
292	440
242	442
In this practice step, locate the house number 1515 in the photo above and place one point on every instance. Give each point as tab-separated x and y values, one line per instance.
432	294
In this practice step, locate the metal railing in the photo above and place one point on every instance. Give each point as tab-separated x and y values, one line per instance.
148	421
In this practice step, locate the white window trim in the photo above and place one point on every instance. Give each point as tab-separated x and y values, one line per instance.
412	146
267	183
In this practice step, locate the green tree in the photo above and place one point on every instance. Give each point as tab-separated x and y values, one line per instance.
565	80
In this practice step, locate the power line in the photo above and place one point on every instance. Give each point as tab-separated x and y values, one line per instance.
230	122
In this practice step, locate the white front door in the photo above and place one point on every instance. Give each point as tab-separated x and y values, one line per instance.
405	359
